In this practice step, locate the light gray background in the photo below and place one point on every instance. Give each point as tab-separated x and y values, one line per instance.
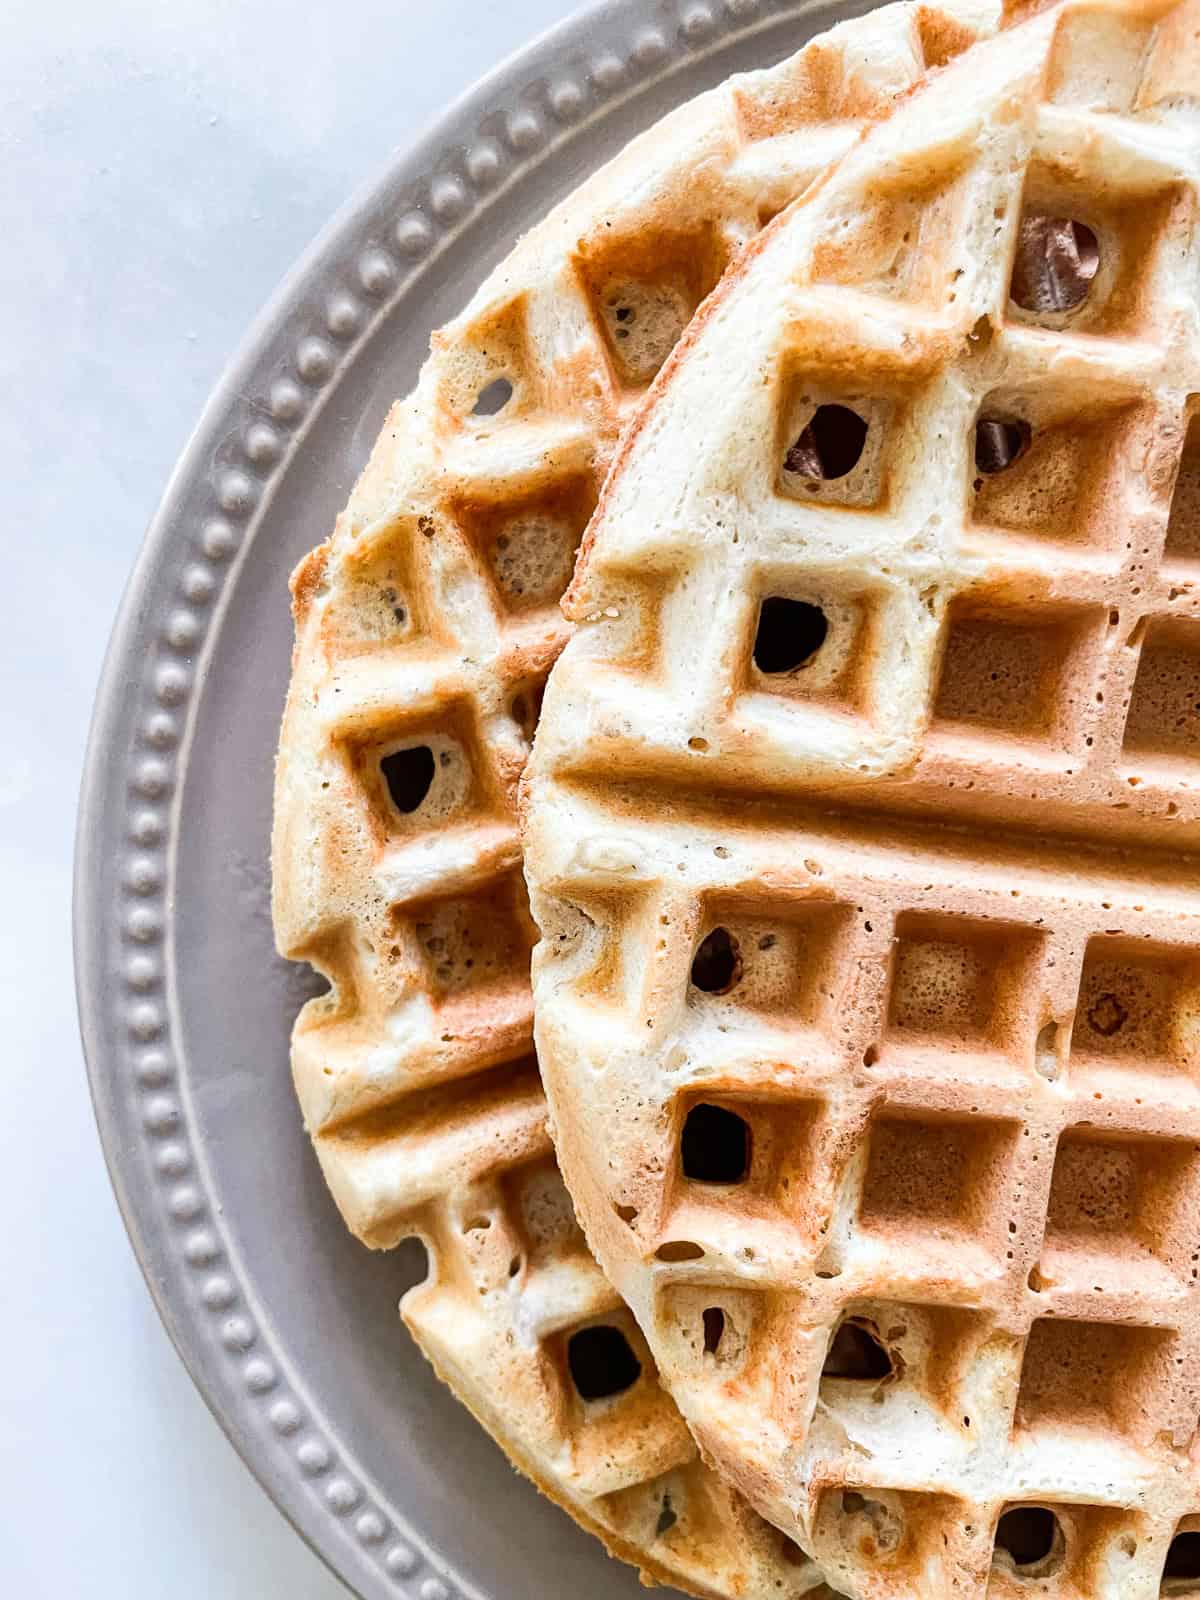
161	166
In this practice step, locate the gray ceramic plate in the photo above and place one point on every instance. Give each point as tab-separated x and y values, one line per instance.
288	1327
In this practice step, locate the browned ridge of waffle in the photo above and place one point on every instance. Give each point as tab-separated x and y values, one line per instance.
425	629
861	830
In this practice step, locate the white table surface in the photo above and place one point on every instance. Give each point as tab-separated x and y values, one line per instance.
162	163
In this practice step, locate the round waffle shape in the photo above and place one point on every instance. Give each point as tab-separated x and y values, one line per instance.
861	832
425	628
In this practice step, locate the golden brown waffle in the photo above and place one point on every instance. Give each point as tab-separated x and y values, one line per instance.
862	826
424	630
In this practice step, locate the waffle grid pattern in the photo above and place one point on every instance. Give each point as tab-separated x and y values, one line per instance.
963	1061
1018	1160
425	629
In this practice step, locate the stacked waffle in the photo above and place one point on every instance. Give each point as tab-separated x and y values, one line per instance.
858	826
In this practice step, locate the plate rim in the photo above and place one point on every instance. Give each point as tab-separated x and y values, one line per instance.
358	267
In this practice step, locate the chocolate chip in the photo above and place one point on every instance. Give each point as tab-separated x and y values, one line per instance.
1056	262
998	443
1107	1015
830	446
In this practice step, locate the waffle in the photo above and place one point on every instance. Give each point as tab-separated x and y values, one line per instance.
424	630
862	828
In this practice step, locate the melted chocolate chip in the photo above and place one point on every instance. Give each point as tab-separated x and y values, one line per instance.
1056	261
